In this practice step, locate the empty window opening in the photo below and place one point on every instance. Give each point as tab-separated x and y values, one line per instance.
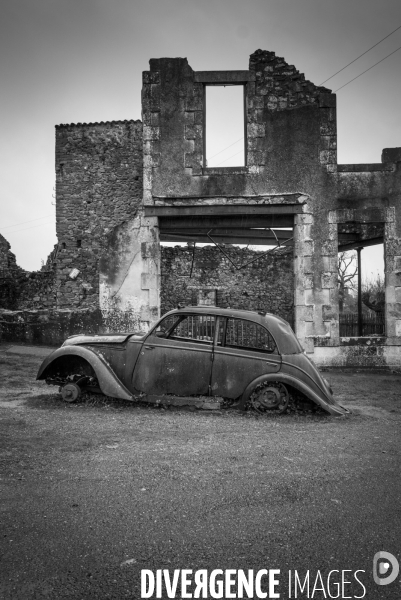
361	291
78	243
256	239
225	142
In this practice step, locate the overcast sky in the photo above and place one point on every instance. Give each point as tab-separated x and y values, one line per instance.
69	61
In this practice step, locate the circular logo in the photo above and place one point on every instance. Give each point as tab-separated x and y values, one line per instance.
385	568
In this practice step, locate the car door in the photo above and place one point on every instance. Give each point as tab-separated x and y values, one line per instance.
177	358
244	350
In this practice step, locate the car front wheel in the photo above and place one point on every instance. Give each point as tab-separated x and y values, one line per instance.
270	396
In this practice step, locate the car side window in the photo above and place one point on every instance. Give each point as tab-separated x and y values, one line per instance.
248	335
194	328
164	327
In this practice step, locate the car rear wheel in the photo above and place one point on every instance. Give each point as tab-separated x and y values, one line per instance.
70	392
270	396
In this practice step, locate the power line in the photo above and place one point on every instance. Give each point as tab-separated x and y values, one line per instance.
366	70
226	148
34	227
23	222
229	158
355	59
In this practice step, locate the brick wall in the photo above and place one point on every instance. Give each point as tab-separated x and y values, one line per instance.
98	186
268	283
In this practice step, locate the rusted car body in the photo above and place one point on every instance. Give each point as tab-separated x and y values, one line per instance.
251	358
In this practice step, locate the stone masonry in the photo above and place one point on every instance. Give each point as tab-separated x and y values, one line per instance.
124	186
267	284
98	187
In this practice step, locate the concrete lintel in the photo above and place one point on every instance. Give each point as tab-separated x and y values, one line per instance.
224	77
364	168
235	209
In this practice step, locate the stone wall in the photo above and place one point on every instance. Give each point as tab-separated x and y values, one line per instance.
291	160
98	187
267	283
48	327
12	277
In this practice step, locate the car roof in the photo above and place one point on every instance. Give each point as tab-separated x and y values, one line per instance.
280	329
251	315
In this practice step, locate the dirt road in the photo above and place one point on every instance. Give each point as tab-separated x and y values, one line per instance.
94	492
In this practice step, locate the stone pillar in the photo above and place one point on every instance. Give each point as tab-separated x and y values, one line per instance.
392	268
129	277
329	279
303	270
316	294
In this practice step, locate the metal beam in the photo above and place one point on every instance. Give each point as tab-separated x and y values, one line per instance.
222	210
360	322
360	244
247	233
236	221
238	239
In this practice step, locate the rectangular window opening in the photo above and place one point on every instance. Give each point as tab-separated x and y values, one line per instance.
361	299
225	129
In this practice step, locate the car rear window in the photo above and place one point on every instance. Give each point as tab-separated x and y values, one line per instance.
248	335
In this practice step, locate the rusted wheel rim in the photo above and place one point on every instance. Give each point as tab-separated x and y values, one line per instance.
271	396
70	392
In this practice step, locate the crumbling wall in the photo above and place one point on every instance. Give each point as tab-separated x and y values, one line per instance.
267	283
291	159
48	327
12	277
129	286
98	187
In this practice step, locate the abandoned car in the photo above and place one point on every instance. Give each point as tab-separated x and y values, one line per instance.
252	359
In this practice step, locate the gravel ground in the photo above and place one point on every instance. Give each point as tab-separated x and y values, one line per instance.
91	493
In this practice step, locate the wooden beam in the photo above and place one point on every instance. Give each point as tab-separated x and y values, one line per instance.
236	221
222	210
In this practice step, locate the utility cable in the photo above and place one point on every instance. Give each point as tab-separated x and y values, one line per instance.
23	222
34	227
226	148
355	59
366	70
228	158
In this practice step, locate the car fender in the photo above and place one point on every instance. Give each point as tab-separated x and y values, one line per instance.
108	381
329	405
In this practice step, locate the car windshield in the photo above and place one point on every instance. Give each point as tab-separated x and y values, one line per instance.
163	328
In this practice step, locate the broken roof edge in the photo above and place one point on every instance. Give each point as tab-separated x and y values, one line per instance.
99	123
269	57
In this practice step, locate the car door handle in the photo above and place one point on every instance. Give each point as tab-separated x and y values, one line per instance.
149	347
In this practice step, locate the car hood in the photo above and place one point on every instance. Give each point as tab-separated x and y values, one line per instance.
104	338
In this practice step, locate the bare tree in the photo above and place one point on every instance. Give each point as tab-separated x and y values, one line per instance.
373	293
347	269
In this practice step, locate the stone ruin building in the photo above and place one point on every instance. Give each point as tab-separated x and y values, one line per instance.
122	187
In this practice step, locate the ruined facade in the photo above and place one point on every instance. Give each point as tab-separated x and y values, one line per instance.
188	274
122	187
